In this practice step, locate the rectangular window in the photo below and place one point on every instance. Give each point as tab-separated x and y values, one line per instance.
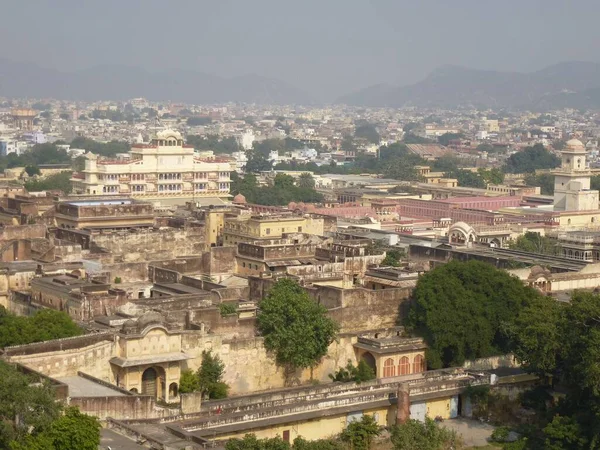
268	231
299	229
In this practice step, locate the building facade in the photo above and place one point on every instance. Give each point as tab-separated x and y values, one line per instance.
163	168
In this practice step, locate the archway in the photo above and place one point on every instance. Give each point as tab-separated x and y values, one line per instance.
370	360
133	390
173	391
404	366
389	368
149	382
418	364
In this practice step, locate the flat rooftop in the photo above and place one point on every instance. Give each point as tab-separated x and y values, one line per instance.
82	387
124	201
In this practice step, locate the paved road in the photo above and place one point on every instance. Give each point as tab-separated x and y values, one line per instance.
473	432
116	441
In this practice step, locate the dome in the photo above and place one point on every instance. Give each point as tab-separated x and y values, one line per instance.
166	134
301	206
574	144
292	205
310	207
240	199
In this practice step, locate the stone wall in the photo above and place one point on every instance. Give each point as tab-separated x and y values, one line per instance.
22	232
144	245
249	367
121	407
219	260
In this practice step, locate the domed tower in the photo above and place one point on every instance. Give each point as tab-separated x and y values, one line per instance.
572	180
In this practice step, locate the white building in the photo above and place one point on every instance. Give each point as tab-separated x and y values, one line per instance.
164	168
572	180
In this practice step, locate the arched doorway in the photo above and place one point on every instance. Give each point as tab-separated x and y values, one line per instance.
149	382
370	360
173	391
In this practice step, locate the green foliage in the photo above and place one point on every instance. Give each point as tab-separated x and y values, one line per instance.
360	433
500	434
118	280
451	166
368	132
306	181
108	149
227	309
250	442
564	433
544	180
393	258
32	170
410	138
210	376
34	405
445	138
188	382
45	325
257	162
58	181
357	374
535	243
225	145
281	193
75	430
295	328
415	435
530	159
462	308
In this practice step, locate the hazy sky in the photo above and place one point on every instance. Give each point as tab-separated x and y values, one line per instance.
328	47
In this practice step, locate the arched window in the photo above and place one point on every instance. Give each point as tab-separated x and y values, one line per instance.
388	368
173	390
404	366
418	364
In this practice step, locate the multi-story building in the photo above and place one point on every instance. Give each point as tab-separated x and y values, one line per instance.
163	168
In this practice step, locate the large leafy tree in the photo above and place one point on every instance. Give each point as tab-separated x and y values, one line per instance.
43	326
415	435
530	159
295	327
306	181
462	310
360	433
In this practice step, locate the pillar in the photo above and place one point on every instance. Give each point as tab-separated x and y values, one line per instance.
403	410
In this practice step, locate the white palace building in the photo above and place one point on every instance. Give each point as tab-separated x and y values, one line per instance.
162	169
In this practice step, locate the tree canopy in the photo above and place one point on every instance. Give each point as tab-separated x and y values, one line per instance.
294	326
530	159
32	419
544	180
218	144
367	132
283	191
107	149
462	309
44	325
57	181
535	243
415	435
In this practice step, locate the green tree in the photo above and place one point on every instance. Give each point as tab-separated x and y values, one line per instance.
462	308
108	149
306	181
283	181
535	243
446	138
295	327
45	325
351	373
65	116
564	433
75	430
32	404
32	170
368	132
210	376
530	159
257	162
58	181
359	434
195	121
393	258
415	435
544	180
188	382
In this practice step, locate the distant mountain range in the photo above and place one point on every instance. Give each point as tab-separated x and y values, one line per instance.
567	84
122	83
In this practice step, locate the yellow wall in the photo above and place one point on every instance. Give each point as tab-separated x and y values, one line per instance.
319	428
580	220
439	407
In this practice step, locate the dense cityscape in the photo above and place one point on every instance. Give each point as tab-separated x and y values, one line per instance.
228	263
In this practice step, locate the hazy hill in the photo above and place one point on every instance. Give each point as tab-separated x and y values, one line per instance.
120	83
568	84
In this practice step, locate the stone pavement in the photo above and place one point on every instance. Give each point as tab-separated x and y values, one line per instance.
473	432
